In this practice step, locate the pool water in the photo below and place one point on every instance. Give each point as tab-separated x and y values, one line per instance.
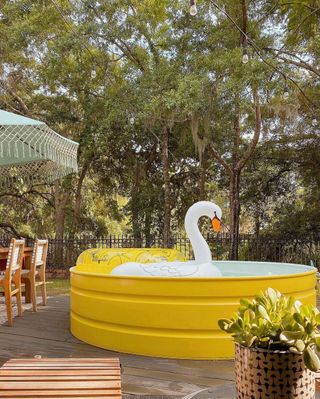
246	269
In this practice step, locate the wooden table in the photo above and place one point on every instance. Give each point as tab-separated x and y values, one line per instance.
27	253
27	263
61	378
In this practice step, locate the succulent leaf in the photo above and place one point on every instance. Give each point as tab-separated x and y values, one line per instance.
223	323
297	305
263	312
294	350
245	302
251	342
272	295
246	317
317	342
309	328
300	345
290	335
311	359
298	318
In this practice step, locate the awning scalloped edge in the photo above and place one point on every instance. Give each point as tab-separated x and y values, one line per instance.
35	153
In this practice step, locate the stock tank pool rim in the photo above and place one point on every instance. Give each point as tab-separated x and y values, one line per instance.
171	317
306	270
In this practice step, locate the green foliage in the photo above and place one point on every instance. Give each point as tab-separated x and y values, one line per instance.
87	68
275	322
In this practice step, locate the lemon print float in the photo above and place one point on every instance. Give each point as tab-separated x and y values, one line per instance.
147	309
104	260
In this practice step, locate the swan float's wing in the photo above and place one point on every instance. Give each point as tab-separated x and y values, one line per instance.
161	269
167	269
170	269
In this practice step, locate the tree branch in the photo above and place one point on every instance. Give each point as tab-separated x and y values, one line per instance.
256	136
22	104
259	52
29	192
300	63
296	30
219	158
12	229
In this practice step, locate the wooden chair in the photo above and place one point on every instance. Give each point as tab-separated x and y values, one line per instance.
12	276
37	272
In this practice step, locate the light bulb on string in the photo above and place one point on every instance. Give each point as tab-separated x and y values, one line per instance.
314	122
93	74
245	57
193	8
132	120
286	92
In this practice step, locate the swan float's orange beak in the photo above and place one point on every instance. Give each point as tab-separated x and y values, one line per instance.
216	224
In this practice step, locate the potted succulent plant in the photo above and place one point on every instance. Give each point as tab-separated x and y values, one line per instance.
276	342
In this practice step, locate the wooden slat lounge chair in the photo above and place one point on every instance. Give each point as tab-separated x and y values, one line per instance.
37	272
61	378
12	276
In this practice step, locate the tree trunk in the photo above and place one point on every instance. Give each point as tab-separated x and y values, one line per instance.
166	182
135	204
203	177
234	170
60	199
234	191
59	222
147	228
257	226
76	227
235	186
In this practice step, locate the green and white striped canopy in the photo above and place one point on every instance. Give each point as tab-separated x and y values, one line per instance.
31	151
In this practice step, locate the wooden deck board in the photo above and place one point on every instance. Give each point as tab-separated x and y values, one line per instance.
46	333
15	386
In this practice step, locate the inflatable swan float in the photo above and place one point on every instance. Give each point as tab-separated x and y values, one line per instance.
202	266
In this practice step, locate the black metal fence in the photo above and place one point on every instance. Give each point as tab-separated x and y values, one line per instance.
305	250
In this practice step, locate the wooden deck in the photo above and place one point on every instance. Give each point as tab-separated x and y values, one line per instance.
50	378
46	333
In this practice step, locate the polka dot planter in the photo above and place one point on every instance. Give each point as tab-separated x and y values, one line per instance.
263	374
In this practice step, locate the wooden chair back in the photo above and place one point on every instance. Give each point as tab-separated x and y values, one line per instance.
15	256
39	255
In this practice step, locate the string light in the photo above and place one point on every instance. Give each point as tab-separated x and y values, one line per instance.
245	57
93	74
286	92
132	120
193	8
314	122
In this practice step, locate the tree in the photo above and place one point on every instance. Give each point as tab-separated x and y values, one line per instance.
165	110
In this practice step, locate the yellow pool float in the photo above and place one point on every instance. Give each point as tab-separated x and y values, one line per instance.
104	260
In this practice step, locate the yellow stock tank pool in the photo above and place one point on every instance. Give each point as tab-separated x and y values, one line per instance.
170	317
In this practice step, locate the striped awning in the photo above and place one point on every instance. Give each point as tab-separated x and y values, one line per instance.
30	151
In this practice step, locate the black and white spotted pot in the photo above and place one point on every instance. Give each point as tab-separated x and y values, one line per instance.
263	374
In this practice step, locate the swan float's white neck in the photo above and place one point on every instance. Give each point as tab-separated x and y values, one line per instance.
201	250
